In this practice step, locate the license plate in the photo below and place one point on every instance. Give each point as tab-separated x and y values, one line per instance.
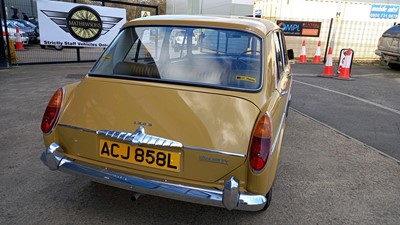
155	158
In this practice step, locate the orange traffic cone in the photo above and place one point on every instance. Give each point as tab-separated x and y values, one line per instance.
19	46
328	69
317	57
303	55
344	73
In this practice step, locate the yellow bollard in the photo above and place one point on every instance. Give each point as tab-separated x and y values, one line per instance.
13	53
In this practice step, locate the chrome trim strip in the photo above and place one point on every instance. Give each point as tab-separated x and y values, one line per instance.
281	123
230	197
77	128
278	133
149	139
215	151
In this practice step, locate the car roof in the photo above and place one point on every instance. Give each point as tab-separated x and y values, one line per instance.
260	26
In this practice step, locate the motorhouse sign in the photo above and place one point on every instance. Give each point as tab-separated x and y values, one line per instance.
384	11
300	28
69	24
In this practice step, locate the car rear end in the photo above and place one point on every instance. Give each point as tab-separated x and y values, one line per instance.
186	125
389	47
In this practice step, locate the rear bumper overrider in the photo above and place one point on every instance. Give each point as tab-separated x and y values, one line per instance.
230	197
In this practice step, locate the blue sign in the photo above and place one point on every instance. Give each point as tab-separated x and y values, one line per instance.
384	11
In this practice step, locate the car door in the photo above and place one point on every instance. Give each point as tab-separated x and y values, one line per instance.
282	82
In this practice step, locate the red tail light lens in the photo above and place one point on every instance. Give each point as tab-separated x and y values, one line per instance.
379	42
50	116
261	143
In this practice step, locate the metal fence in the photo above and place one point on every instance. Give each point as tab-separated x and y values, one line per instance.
34	53
361	36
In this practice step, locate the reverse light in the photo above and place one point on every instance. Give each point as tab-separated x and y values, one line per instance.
50	116
261	143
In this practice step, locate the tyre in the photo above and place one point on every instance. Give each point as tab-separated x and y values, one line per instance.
394	66
268	196
58	47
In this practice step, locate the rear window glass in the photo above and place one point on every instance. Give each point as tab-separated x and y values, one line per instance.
393	31
188	55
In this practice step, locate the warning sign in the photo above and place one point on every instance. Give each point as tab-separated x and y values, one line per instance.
145	13
342	59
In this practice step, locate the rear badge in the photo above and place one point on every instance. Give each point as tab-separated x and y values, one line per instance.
213	160
140	123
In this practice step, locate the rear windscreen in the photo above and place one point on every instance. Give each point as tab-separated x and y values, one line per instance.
393	31
187	55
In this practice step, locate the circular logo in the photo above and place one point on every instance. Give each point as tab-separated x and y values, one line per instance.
84	23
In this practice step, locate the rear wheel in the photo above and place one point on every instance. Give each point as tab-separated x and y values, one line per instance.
58	47
394	66
268	196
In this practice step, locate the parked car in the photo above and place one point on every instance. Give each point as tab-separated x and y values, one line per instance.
22	27
28	26
12	34
389	47
203	125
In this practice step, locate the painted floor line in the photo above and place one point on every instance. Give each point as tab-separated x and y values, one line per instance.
361	75
343	134
351	96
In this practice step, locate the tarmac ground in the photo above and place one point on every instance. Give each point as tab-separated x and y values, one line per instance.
325	176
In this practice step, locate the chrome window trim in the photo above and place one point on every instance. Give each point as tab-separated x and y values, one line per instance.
281	124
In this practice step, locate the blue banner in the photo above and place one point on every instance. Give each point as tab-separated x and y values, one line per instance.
384	11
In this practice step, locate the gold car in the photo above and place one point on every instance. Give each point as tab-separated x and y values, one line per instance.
203	123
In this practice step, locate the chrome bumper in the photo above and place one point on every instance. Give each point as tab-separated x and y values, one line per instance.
229	198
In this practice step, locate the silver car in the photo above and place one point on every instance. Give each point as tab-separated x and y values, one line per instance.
389	47
12	34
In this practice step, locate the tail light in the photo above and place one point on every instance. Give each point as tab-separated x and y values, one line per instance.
261	143
51	114
379	42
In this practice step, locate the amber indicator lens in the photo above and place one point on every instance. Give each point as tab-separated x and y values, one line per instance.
261	143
